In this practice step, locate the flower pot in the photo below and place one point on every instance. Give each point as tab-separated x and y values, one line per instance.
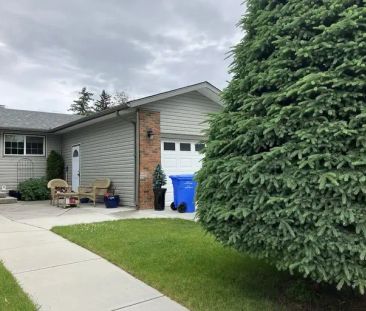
111	201
159	199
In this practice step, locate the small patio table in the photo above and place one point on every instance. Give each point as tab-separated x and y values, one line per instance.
67	195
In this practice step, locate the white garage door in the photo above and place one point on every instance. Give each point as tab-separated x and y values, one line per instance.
179	157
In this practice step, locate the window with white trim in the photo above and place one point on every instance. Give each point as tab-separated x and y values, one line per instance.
30	145
185	147
169	146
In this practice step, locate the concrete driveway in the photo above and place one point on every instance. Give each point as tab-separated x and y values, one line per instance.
43	215
60	275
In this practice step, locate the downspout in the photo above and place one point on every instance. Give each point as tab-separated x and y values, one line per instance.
137	158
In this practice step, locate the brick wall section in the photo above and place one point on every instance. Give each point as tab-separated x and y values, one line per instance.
150	156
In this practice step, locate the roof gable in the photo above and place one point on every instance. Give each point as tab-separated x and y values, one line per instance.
205	88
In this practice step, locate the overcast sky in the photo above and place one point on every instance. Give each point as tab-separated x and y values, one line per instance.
50	49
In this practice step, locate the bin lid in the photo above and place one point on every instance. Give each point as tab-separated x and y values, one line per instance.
183	176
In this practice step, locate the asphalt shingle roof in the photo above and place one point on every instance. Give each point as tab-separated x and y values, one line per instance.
33	120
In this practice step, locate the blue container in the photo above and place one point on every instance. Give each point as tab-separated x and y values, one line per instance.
111	201
184	188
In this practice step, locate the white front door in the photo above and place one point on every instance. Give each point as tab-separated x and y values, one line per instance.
75	167
179	157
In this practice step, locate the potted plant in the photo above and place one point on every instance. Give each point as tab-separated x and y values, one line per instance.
111	200
159	180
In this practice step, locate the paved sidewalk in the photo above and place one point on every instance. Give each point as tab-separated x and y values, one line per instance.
60	275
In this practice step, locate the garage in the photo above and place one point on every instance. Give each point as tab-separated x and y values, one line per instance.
179	157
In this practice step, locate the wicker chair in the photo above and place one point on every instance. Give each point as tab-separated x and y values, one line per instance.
98	187
55	185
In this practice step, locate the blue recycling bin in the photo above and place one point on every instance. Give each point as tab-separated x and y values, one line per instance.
184	188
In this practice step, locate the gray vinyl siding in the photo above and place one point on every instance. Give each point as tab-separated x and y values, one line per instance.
8	163
107	149
184	114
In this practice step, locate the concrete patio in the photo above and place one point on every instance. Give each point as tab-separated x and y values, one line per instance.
60	275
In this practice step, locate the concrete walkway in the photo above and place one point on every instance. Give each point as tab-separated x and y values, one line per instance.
60	275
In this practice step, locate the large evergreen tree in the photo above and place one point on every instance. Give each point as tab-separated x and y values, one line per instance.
104	102
81	106
284	174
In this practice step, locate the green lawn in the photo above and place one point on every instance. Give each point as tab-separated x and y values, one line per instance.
179	259
12	297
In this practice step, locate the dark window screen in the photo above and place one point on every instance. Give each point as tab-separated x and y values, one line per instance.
185	147
169	146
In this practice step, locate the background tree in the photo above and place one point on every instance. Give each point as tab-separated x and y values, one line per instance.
81	106
284	174
120	98
104	102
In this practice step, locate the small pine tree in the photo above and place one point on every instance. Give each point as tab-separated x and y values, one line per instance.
81	106
159	177
104	102
55	166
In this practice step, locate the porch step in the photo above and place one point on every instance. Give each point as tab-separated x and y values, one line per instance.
3	194
8	200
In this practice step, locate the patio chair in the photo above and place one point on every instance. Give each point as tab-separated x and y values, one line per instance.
57	186
98	187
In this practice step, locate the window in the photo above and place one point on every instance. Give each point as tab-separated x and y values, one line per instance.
185	147
34	145
14	144
199	147
24	145
169	146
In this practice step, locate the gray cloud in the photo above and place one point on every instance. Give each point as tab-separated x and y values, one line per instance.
50	49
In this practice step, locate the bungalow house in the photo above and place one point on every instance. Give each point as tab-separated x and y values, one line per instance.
124	143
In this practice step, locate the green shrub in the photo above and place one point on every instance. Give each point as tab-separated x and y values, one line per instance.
34	189
55	166
284	174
